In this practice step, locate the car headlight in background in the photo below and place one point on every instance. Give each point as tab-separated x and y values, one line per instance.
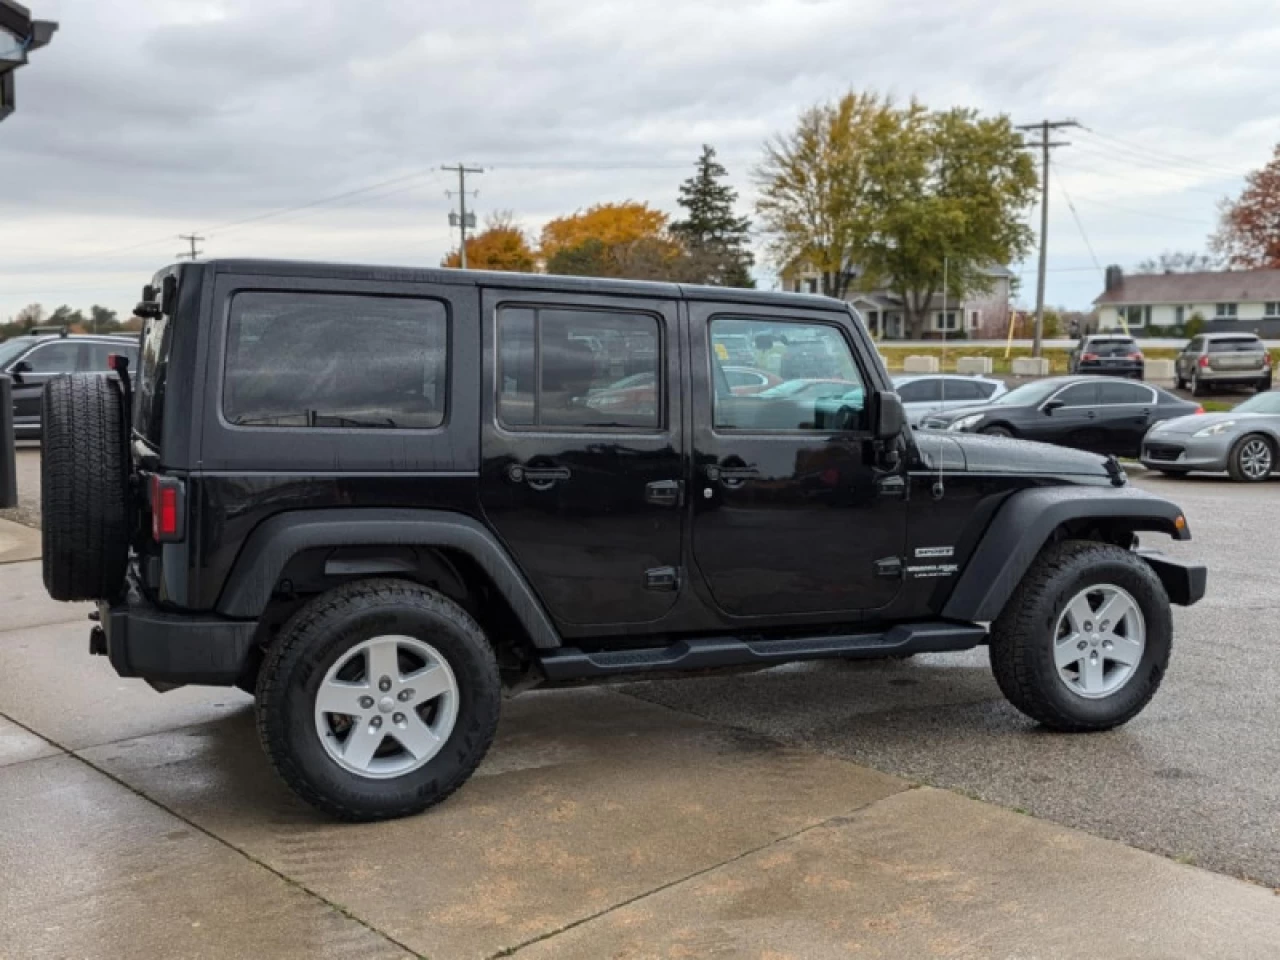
964	423
1216	429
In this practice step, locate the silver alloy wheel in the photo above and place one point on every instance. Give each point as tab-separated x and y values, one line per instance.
1099	641
386	707
1255	459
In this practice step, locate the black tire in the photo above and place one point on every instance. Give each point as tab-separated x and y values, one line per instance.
1179	383
997	431
1235	459
83	488
1022	638
1263	385
313	640
1198	389
1172	473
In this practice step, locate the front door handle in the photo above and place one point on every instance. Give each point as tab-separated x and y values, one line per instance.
731	477
539	478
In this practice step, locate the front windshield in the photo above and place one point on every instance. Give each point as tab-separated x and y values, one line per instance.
11	348
1268	402
1029	394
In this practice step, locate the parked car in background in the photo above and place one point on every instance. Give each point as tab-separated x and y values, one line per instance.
1243	442
1223	360
1090	413
31	361
927	393
745	381
1110	354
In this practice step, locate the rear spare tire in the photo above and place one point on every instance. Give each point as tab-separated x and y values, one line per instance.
83	476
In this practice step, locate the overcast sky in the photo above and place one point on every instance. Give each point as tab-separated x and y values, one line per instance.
149	118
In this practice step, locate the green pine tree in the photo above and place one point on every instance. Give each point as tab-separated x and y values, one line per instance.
716	240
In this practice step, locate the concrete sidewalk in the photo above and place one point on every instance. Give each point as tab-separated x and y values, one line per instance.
149	826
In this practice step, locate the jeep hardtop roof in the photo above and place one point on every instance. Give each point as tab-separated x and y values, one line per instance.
527	281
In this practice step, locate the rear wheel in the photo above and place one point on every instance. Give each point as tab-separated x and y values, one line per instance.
1197	388
83	487
1251	459
1264	384
1085	640
378	700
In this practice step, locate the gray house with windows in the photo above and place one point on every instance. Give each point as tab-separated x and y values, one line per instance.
976	315
1161	304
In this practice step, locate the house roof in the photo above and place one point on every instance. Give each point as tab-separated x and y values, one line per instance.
1225	286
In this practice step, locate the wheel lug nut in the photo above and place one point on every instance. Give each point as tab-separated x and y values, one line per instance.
366	703
1088	625
398	718
404	695
376	722
1081	645
384	684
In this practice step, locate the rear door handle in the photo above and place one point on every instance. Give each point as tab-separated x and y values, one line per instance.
663	493
731	477
540	478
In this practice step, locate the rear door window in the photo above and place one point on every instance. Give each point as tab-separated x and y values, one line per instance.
65	356
335	361
1116	393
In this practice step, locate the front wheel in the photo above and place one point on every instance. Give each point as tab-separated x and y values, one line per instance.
1085	639
997	431
1251	459
378	699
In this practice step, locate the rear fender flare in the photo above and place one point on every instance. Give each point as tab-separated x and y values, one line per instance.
1028	520
277	540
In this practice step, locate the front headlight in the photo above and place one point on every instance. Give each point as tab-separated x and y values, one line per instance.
964	423
1216	429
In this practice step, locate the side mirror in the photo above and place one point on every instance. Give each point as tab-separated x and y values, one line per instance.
1052	405
18	369
887	416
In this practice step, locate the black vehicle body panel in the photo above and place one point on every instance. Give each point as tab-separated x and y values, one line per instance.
598	541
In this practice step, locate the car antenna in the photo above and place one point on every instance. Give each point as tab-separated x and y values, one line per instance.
939	489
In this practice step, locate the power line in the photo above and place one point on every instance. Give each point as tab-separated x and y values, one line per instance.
1045	145
1080	226
1144	213
1150	153
462	219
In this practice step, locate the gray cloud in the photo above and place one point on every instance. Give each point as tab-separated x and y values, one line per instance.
150	117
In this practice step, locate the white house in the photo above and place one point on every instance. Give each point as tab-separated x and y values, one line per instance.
982	315
1161	303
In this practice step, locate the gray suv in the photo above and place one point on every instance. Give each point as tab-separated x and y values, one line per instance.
1223	360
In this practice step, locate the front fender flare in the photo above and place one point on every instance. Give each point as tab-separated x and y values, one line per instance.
278	539
1025	523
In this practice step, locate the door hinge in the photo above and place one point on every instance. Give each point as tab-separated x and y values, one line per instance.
890	568
662	578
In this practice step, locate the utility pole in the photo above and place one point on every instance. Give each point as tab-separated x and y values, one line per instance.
193	239
1045	144
462	219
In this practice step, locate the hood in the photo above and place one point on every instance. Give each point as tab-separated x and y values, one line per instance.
977	453
1194	422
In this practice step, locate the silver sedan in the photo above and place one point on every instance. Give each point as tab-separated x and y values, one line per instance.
1243	442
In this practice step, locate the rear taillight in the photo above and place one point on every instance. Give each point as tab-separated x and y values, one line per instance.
1199	409
1204	360
166	509
1266	358
1137	355
1089	356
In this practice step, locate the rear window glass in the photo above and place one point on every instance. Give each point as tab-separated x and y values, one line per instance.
1113	347
1236	345
335	361
153	363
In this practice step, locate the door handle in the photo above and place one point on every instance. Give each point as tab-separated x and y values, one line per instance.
1090	415
663	493
539	478
731	477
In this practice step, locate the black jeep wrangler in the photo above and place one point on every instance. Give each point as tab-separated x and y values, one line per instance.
380	498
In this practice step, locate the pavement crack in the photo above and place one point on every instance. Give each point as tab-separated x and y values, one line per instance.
297	885
838	818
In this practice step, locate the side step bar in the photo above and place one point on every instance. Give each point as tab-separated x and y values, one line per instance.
570	663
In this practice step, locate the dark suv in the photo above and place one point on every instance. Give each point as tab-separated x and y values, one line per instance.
31	361
378	498
1109	354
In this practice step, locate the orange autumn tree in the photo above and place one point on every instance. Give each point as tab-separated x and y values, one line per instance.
1248	236
501	245
628	239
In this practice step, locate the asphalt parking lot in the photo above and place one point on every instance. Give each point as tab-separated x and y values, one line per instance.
820	810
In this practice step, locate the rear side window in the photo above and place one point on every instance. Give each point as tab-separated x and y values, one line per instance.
985	389
583	369
964	390
1115	393
335	361
921	391
1236	345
